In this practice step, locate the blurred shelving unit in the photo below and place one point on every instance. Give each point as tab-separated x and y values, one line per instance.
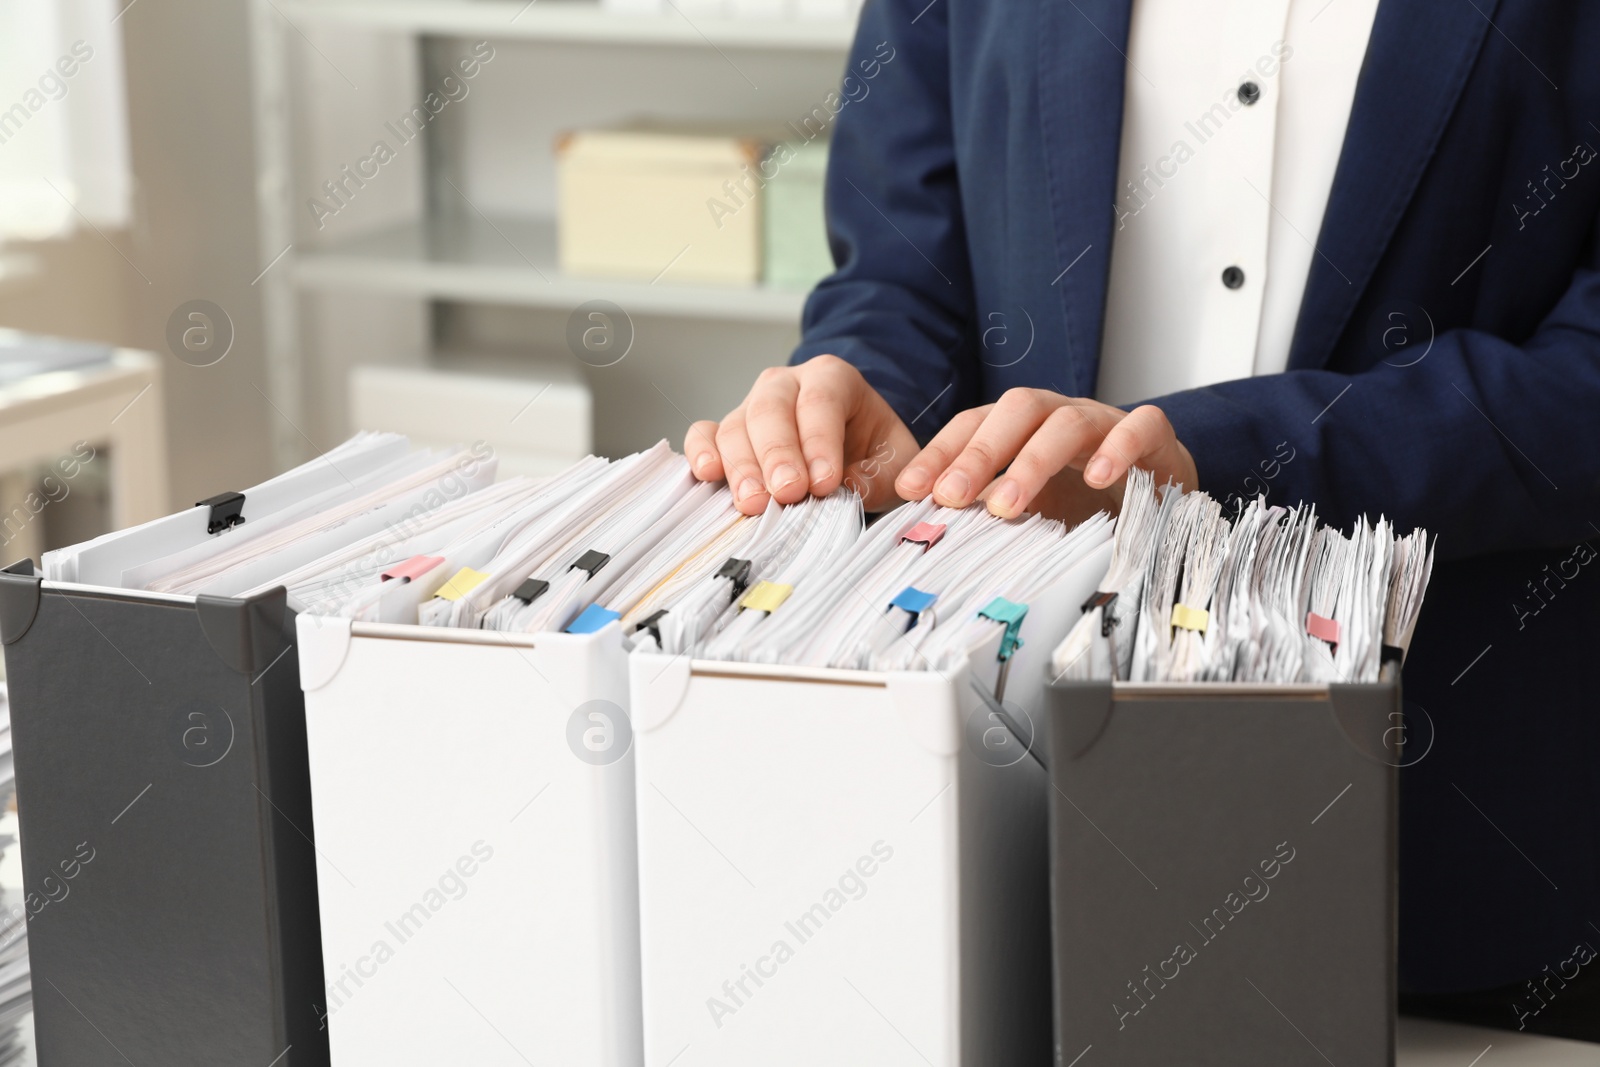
513	261
454	246
575	21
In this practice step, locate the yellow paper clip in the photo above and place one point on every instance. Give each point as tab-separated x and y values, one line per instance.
1186	618
766	596
461	583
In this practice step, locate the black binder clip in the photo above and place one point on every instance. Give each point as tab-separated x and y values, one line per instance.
1102	600
652	625
225	511
530	590
737	571
591	561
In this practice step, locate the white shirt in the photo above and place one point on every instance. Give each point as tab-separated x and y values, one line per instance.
1207	183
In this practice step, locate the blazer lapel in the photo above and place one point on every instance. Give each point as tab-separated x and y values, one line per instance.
1081	64
1418	59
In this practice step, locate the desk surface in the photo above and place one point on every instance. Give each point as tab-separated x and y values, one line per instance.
1424	1043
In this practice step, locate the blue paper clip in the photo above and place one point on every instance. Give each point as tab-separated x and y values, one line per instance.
914	602
593	619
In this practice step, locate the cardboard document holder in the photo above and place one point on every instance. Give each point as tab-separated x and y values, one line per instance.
1223	871
163	798
473	798
843	866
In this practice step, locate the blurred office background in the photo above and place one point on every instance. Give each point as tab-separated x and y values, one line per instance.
201	180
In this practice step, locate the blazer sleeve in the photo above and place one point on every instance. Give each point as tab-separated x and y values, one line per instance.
1492	445
898	304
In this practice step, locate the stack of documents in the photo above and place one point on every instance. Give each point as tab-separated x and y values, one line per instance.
570	552
1273	596
783	548
373	485
917	590
16	996
8	774
379	532
638	539
16	989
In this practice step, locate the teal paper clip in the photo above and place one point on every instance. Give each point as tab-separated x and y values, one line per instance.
913	600
1004	611
593	619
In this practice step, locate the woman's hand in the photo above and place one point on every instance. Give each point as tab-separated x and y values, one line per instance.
804	429
1043	440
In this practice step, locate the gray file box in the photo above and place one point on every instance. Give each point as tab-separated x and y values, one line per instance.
1223	872
165	814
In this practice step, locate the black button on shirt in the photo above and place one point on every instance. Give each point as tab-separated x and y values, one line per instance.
1249	93
1233	277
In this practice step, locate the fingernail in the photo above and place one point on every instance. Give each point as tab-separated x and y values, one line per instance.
702	462
914	480
785	475
954	486
1003	501
748	488
821	471
1098	472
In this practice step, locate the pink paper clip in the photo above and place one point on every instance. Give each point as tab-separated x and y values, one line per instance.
413	568
1322	629
926	534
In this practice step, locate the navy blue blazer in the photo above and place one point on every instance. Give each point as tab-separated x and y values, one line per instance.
1445	372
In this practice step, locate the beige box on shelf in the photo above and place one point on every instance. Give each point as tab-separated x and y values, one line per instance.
660	205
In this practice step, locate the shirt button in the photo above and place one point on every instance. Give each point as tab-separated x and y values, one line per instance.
1249	93
1233	277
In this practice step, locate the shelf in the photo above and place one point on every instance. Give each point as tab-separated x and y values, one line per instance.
574	21
513	261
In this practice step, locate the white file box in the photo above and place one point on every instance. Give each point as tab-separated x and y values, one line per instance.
846	866
464	841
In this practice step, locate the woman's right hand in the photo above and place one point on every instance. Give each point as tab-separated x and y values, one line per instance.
804	429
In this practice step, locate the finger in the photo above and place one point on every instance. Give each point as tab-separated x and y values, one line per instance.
739	461
1144	438
916	481
774	435
821	411
700	445
1063	437
996	443
884	445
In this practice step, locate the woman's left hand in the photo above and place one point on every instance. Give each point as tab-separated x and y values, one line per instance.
1065	456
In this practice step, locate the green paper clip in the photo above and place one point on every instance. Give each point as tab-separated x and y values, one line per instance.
1004	611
